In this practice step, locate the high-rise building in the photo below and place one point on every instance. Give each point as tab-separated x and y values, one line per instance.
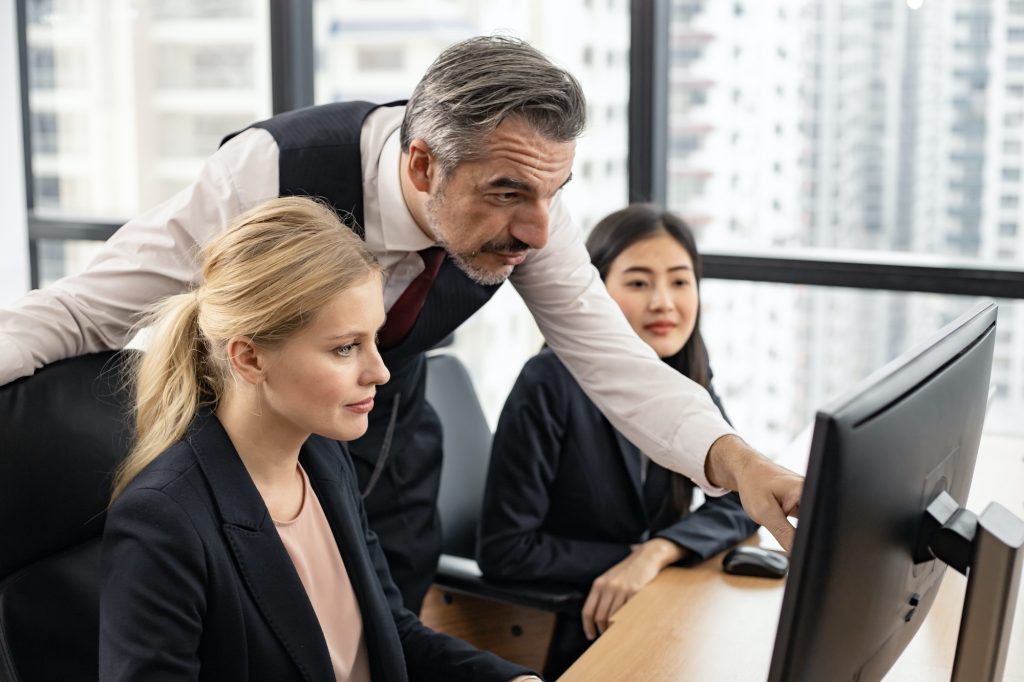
877	125
889	125
127	99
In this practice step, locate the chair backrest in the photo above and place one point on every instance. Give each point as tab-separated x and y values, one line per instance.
63	431
467	451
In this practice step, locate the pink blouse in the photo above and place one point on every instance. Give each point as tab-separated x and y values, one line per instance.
311	546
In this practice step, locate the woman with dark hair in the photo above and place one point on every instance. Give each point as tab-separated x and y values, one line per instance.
569	500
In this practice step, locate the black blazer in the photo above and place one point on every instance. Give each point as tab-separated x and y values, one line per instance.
197	584
564	501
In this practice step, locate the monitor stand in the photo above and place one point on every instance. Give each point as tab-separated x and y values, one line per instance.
988	550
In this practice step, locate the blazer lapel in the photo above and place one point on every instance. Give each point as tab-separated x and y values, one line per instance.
321	460
631	460
262	560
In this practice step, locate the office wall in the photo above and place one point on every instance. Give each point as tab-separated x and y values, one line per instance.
14	268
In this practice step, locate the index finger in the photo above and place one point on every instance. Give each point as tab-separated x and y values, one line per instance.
775	522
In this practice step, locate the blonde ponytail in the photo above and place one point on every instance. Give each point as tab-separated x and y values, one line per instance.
168	382
265	277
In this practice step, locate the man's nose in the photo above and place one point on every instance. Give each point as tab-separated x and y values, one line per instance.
531	224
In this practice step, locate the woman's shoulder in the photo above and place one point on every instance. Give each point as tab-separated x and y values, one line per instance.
545	367
545	384
167	470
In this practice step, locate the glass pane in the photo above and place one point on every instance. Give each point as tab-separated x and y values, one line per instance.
377	51
128	97
849	124
780	351
64	257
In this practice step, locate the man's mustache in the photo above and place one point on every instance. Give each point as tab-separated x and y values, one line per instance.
510	246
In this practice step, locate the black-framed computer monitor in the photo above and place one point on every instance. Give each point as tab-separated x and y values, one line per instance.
880	454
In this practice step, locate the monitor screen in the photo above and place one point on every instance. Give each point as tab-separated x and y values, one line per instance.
880	454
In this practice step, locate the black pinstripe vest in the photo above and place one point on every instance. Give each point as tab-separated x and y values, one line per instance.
320	157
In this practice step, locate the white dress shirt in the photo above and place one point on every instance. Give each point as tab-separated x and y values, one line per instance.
666	415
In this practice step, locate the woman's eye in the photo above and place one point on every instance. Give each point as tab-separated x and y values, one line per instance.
346	350
682	283
636	284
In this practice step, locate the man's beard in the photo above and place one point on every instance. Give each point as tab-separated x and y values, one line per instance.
464	261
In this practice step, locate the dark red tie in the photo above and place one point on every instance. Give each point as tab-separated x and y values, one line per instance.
407	308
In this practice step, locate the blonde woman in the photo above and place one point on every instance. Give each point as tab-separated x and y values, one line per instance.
236	547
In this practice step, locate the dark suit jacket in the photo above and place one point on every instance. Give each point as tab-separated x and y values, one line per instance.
564	501
197	585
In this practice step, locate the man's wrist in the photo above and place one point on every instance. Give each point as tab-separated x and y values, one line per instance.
726	460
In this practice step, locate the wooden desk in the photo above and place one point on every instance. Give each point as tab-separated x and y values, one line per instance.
700	624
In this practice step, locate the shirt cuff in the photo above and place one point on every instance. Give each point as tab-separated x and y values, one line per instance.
699	438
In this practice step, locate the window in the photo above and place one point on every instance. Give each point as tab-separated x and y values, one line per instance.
39	11
206	67
56	258
793	161
810	342
47	190
685	144
818	159
44	132
380	58
151	127
202	9
188	135
42	69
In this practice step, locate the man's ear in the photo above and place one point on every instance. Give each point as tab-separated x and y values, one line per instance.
420	164
247	361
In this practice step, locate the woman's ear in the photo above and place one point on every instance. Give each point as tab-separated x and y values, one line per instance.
420	164
248	361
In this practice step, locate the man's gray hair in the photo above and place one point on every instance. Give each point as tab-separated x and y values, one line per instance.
476	84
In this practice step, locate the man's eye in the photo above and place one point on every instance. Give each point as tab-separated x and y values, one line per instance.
506	197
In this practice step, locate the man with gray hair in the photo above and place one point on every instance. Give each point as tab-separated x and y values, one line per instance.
454	192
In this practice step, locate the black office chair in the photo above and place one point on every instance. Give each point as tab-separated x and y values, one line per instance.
467	447
62	433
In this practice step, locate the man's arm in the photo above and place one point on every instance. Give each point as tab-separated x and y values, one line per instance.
150	257
769	492
669	417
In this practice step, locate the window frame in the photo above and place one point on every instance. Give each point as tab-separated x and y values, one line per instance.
292	53
291	57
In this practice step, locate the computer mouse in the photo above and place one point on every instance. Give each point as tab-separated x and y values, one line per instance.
757	562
